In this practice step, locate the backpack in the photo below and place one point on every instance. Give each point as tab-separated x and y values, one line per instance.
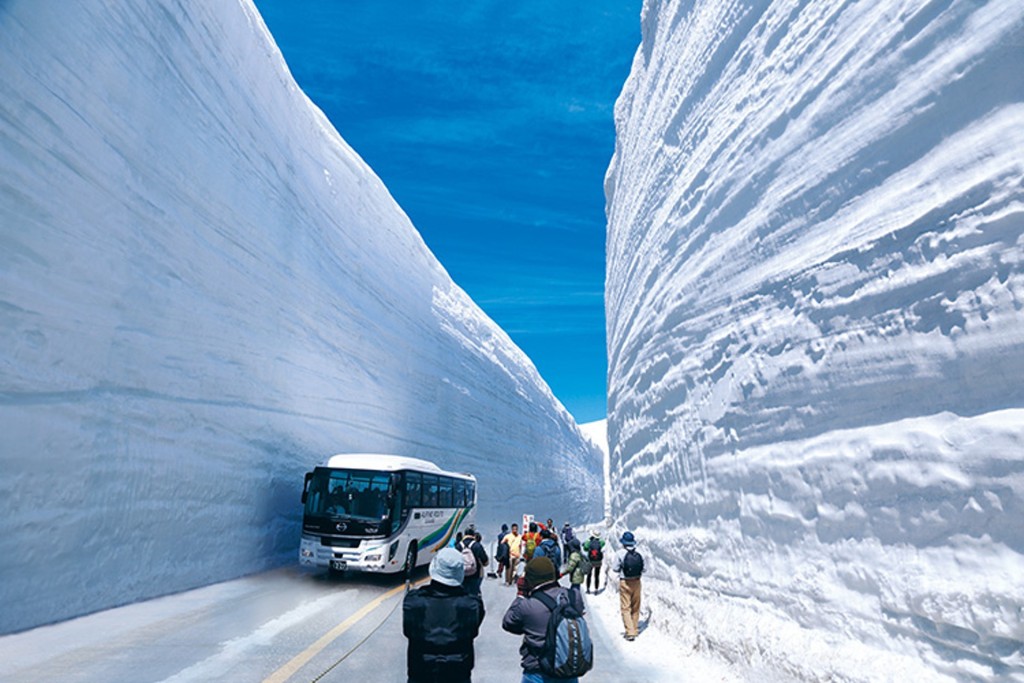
568	650
531	545
585	565
501	555
549	550
595	554
632	564
468	559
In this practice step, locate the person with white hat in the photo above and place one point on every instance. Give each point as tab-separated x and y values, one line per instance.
441	620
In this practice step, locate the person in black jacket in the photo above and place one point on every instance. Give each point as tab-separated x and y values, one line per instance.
441	620
472	542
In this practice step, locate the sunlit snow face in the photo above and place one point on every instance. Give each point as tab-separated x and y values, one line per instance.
491	124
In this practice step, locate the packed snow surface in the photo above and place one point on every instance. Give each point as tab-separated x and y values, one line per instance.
816	337
204	292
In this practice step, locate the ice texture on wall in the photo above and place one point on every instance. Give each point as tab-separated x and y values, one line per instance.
204	292
816	338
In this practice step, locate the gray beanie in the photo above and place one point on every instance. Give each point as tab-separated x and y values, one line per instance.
447	568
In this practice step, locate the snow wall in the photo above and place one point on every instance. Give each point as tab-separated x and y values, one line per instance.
816	338
204	292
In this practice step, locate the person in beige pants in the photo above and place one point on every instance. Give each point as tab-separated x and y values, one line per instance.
629	565
515	545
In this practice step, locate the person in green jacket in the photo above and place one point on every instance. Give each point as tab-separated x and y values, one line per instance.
576	567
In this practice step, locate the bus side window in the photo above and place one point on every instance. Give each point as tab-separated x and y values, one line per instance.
396	495
430	490
444	492
471	490
413	489
460	493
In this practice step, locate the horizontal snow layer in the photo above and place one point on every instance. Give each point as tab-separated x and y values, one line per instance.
816	339
203	293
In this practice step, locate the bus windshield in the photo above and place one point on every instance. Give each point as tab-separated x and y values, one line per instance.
351	494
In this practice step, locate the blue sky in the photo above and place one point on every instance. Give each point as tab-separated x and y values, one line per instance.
491	124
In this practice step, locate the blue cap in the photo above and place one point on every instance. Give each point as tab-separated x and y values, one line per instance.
627	539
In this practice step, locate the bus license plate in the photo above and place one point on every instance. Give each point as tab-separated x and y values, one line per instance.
339	565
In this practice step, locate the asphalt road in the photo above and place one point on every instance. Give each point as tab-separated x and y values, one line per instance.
279	627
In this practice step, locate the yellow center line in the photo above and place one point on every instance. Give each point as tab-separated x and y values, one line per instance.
301	659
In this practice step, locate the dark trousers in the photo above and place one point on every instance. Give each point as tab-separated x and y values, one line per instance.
472	583
595	571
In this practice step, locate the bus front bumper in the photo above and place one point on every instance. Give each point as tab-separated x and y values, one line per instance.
313	554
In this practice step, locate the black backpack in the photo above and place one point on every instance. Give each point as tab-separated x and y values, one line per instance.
568	651
632	564
594	553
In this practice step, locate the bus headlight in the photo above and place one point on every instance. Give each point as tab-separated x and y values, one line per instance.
375	557
305	552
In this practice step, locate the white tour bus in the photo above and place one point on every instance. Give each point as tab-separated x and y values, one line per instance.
381	513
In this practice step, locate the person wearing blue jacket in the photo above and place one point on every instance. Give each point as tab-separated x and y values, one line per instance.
549	548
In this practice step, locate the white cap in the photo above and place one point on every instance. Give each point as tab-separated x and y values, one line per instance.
447	568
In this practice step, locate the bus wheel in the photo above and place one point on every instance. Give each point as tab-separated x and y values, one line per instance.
410	560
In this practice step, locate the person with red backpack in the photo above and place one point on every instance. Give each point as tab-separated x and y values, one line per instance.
593	549
531	539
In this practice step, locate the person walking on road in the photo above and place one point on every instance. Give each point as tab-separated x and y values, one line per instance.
515	545
548	547
576	567
528	616
531	539
593	548
554	535
441	621
474	559
629	565
501	554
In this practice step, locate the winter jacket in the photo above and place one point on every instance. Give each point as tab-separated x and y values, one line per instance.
501	554
575	566
549	549
528	617
586	547
440	622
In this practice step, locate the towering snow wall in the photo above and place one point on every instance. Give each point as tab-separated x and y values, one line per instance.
816	338
203	293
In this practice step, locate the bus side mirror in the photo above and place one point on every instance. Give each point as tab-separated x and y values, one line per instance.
305	487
